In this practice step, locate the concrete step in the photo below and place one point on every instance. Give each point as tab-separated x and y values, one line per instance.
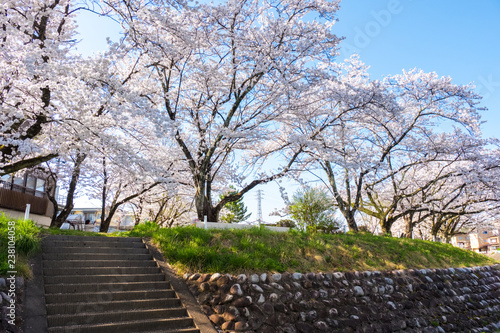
100	270
106	296
91	244
107	284
105	287
74	238
114	316
96	256
74	279
100	249
101	306
97	263
139	326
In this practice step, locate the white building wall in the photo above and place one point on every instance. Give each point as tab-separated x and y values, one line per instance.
40	220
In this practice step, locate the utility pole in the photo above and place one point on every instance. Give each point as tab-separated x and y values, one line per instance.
259	206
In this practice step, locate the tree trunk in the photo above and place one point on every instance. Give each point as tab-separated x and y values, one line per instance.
205	208
386	225
116	204
450	228
138	212
351	221
68	207
203	198
161	210
49	189
105	224
102	228
436	226
408	218
345	208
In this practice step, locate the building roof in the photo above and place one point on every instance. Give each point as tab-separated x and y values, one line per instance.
84	203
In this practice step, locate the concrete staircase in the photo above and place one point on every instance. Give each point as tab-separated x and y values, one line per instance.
108	284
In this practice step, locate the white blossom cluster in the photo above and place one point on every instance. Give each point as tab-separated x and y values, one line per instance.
238	92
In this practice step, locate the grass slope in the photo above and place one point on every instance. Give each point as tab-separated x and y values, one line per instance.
192	249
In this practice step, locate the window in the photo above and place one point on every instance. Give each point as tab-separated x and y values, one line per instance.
7	178
460	237
40	185
6	181
31	182
18	184
18	181
485	232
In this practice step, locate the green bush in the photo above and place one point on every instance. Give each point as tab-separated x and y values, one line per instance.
147	229
27	236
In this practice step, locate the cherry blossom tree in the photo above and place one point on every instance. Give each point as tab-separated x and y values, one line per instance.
448	192
462	201
164	207
242	92
391	124
127	165
396	191
35	39
222	74
69	175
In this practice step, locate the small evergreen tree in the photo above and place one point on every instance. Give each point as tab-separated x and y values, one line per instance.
235	211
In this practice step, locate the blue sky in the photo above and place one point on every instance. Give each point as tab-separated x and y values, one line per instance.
457	38
460	39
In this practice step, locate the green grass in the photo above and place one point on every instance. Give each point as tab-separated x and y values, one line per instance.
192	249
27	240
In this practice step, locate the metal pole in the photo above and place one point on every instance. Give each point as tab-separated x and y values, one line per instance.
259	206
27	212
205	220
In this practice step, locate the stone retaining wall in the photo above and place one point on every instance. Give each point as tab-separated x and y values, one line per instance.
12	304
427	300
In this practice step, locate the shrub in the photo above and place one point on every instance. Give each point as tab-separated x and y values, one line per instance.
147	229
27	242
27	237
313	210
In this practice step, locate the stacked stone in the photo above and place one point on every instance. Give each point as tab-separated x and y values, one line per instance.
437	300
7	301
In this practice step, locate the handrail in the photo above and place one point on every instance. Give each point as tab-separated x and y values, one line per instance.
20	188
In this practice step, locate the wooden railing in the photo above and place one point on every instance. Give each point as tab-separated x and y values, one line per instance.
16	197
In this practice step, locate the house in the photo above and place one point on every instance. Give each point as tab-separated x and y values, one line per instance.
494	241
17	191
91	209
461	241
484	240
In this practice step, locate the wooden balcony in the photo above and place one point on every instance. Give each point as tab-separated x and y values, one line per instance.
16	197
